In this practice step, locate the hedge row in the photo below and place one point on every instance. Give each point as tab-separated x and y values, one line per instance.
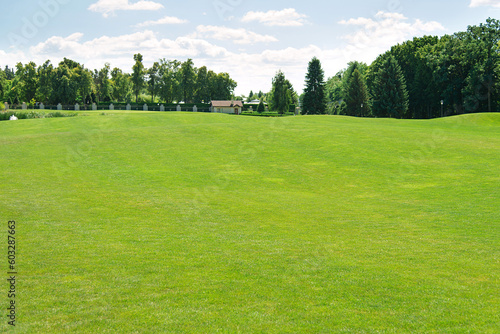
5	116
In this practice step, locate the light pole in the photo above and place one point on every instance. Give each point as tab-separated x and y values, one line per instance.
442	104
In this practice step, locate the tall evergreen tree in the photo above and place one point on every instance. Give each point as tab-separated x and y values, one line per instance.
346	77
418	74
261	107
390	93
314	94
357	97
352	66
250	95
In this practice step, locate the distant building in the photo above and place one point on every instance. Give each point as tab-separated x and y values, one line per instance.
254	103
227	107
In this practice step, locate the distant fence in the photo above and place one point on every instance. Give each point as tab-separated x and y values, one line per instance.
111	106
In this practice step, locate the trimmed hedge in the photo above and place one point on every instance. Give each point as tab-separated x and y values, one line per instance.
266	114
5	116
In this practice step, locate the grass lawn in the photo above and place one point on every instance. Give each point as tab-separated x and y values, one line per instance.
202	223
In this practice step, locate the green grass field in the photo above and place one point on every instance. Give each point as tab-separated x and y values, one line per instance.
203	223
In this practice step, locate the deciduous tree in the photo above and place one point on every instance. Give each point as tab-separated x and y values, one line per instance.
169	80
280	93
28	80
202	86
188	80
154	80
483	51
104	90
138	76
122	85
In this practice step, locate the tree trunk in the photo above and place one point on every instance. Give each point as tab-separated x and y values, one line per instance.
489	97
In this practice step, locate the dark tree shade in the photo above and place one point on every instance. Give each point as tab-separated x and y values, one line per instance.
357	98
391	95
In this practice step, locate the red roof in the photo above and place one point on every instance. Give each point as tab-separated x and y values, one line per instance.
227	104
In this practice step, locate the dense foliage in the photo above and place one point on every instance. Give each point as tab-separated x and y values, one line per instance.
70	82
314	93
426	77
282	95
422	78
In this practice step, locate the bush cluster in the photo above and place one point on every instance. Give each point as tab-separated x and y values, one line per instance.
266	114
5	116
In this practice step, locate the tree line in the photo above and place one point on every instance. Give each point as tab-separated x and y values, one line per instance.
426	77
70	82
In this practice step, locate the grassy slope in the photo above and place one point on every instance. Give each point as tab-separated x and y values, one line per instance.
197	223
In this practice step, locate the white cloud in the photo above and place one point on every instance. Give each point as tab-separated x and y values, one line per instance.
285	18
238	36
250	70
58	45
14	57
162	21
253	70
110	6
376	35
122	48
480	3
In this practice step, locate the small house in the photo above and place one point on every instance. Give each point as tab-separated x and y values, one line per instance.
227	107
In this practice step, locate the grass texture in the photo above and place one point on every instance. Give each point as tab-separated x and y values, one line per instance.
204	223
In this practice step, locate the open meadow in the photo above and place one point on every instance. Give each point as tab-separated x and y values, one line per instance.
203	223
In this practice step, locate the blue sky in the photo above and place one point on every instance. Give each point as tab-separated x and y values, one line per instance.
250	40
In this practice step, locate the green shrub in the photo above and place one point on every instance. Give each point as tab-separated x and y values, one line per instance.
265	114
5	116
261	108
60	114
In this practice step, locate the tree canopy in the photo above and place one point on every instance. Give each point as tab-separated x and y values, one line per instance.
408	81
411	79
282	95
70	82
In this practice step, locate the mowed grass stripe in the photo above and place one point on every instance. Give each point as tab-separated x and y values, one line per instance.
184	222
